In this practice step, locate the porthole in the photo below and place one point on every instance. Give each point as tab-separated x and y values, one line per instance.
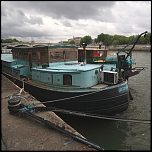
96	72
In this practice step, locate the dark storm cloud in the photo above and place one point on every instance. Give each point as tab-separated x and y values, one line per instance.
20	18
78	10
15	20
42	18
65	9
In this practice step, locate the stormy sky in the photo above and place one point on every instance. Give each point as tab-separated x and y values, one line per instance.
54	21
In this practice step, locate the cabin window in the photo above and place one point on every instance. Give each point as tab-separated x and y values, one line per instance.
101	53
67	79
96	72
71	55
15	54
56	55
25	55
33	55
19	55
88	53
44	55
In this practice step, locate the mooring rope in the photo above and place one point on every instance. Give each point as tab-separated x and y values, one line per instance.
101	116
85	114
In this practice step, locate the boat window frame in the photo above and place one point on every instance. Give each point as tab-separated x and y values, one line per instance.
43	55
34	55
25	55
67	79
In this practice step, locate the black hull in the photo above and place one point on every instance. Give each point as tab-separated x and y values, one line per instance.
105	102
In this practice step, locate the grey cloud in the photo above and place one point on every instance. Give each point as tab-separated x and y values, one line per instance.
20	13
82	25
77	9
26	32
18	18
56	23
73	10
22	18
66	23
15	22
34	20
3	12
125	28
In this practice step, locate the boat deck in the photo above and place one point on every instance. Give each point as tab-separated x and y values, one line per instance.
99	86
74	67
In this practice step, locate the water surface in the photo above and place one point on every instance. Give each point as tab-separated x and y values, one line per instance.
120	135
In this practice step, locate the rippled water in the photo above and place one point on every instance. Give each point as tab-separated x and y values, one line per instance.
121	135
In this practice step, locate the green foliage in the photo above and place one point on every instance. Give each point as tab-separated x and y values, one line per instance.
72	42
9	40
65	42
148	38
96	40
69	42
115	42
107	39
86	39
101	38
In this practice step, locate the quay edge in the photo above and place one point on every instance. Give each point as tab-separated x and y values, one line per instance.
23	133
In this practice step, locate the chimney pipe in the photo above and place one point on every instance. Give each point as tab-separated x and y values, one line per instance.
84	46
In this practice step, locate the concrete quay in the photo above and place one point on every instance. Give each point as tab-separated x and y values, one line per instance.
22	133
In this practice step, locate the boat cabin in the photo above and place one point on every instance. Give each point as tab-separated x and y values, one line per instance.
24	58
59	66
92	54
45	54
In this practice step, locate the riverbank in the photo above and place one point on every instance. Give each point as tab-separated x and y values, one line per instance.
24	133
138	47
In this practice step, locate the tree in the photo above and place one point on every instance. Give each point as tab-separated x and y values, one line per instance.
72	42
9	40
65	42
86	39
95	40
115	42
107	40
101	38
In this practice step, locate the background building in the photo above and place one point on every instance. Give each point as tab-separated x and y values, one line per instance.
76	40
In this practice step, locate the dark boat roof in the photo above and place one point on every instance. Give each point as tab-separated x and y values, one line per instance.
41	47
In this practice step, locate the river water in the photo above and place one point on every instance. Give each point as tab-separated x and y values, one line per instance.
124	135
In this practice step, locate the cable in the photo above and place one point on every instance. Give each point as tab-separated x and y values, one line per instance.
102	116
